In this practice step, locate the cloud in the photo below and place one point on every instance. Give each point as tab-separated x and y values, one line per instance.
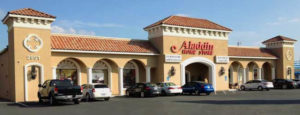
58	29
284	20
181	14
2	14
77	23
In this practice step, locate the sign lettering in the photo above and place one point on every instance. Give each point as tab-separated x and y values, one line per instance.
200	48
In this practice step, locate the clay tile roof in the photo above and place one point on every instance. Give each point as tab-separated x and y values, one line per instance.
249	52
86	43
189	22
279	38
30	12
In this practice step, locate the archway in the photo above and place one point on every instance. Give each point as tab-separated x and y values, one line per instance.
267	71
253	72
130	74
69	69
197	72
236	75
199	61
101	73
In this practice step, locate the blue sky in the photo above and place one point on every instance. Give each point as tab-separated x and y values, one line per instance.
252	21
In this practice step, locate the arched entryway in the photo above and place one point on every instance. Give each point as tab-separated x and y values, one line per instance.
197	72
207	69
253	71
101	73
236	75
267	71
69	69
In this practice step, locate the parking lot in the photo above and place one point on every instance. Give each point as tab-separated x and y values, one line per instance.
241	102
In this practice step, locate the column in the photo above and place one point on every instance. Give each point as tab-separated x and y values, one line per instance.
90	75
244	75
121	81
259	73
273	73
148	74
54	73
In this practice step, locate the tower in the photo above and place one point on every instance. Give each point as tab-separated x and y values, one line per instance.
29	51
283	48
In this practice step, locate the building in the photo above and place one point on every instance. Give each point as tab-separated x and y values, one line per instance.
297	69
178	49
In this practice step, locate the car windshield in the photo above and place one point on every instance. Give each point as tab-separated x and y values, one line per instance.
101	86
170	84
62	83
150	85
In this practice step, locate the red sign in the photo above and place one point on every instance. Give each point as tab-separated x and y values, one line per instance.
194	48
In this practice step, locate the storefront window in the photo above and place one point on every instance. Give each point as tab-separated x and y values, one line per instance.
99	76
129	78
67	74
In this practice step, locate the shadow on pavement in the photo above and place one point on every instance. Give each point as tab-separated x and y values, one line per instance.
241	102
36	104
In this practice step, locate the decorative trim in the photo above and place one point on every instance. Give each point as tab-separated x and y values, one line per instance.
26	77
247	57
181	31
37	38
211	65
102	52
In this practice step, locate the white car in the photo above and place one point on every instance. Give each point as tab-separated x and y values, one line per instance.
257	84
96	91
167	88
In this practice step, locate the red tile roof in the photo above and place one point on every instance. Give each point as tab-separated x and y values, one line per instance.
189	22
86	43
279	38
30	12
250	52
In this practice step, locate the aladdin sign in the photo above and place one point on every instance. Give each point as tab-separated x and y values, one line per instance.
200	48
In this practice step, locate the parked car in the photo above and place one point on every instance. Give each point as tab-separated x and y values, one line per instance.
257	84
168	88
284	83
197	87
142	90
59	90
96	91
298	82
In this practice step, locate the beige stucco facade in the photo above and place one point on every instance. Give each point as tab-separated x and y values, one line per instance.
16	63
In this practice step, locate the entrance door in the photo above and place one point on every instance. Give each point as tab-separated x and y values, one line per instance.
197	72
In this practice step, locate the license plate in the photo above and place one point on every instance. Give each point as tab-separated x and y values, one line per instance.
155	88
102	93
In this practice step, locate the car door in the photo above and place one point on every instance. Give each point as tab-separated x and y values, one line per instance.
186	87
248	85
44	90
139	88
255	83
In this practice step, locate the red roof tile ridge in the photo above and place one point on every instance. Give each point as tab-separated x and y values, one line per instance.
254	47
94	37
15	12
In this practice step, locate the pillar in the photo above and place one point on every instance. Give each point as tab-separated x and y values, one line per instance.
273	73
244	75
90	75
121	81
148	74
259	73
54	73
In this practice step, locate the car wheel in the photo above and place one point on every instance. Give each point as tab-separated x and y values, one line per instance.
87	97
142	94
127	93
106	99
40	98
76	101
51	100
260	88
284	86
163	93
197	92
243	88
207	93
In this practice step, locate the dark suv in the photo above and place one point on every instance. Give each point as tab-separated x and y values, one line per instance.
284	83
143	89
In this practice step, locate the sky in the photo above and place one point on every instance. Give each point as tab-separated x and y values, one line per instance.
252	21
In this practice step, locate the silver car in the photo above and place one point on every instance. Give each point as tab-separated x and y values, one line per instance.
168	88
257	84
